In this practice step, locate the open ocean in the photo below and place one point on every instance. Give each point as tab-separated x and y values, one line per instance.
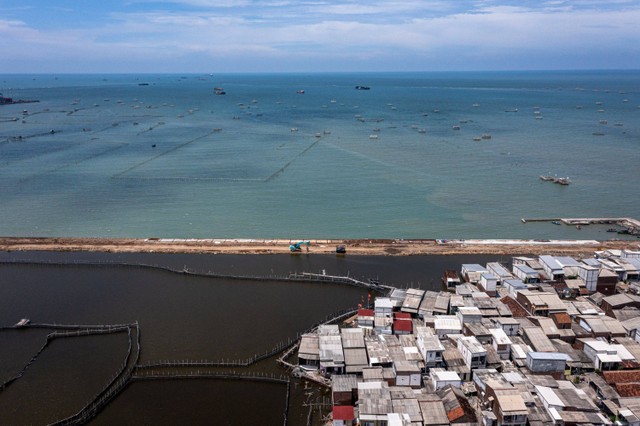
163	156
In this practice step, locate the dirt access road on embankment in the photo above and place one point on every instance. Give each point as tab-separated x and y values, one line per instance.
382	247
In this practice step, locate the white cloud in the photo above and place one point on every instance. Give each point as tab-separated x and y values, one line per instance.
490	31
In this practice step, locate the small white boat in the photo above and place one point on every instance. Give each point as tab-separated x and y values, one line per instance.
23	322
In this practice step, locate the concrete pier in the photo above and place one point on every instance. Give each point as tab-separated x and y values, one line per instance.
631	224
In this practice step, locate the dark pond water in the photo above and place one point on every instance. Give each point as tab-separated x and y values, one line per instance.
181	317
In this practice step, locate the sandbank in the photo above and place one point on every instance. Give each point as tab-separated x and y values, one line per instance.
382	247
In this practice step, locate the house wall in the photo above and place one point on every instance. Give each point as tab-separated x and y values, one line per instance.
590	277
343	398
543	365
607	285
510	329
403	380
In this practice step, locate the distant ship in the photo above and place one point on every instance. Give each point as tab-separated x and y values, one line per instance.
554	179
363	88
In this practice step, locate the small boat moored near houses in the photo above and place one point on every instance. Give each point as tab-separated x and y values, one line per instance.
450	279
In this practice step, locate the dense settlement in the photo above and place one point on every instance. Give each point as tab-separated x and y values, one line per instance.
553	341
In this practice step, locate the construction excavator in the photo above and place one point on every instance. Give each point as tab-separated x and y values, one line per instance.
296	247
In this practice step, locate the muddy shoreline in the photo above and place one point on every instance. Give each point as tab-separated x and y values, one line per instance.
382	247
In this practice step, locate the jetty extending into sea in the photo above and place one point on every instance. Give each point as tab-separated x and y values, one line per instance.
627	225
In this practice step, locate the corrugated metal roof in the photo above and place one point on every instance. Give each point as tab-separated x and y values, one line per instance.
309	348
498	269
525	269
408	406
472	344
473	267
556	356
428	303
499	336
352	337
328	330
405	367
344	382
355	357
365	312
402	326
343	412
372	374
512	405
447	322
445	376
441	304
412	300
538	339
378	351
407	340
549	395
412	353
433	412
331	349
551	262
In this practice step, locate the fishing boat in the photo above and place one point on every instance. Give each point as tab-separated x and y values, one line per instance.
450	279
363	88
555	179
23	322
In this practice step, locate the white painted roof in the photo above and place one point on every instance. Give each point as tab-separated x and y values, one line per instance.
500	336
445	376
549	396
447	322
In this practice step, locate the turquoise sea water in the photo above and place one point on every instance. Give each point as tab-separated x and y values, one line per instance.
172	159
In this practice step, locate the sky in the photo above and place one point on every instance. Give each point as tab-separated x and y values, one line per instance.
134	36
